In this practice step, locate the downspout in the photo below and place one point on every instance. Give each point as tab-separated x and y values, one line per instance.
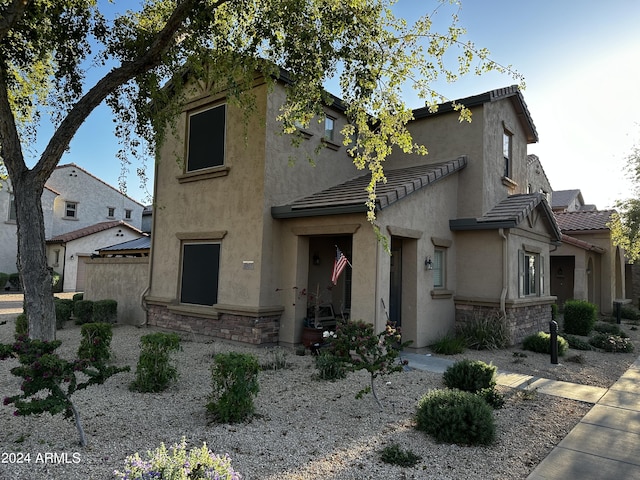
143	303
505	271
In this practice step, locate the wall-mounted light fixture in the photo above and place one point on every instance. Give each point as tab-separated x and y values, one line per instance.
427	263
71	257
316	259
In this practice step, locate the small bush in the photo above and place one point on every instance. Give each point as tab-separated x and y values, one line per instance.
493	397
486	332
454	416
554	311
541	343
579	317
576	342
628	312
95	345
77	297
276	359
449	345
22	325
14	281
83	311
610	328
470	376
611	343
64	308
234	379
105	311
330	367
155	371
395	455
3	279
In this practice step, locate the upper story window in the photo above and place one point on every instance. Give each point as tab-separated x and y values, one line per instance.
206	138
329	128
71	210
12	208
127	214
111	212
507	141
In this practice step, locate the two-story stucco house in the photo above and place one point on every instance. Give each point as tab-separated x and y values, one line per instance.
81	214
248	241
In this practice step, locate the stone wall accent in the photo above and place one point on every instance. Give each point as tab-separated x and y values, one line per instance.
238	328
522	319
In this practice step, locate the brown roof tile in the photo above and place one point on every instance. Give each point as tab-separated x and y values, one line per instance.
90	230
584	220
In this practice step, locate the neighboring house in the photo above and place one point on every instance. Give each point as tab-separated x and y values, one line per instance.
537	180
147	218
73	200
569	201
248	240
588	266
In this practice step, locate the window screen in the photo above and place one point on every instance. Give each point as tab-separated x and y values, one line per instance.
200	266
206	139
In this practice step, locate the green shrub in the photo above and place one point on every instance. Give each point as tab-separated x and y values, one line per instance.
493	397
105	311
155	371
3	279
485	332
14	281
554	311
77	297
454	416
330	367
449	345
83	311
470	376
395	455
56	284
576	342
22	325
611	343
95	345
234	379
64	307
579	317
628	312
610	328
541	343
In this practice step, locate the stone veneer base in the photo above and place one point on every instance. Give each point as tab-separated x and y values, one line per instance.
238	328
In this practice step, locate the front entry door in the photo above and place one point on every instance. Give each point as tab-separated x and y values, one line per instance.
395	283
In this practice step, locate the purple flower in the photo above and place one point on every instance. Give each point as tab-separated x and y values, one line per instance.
6	401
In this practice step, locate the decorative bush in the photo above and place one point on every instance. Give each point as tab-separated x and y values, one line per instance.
83	311
485	332
48	381
611	343
178	464
395	455
234	379
610	328
95	345
155	371
3	279
449	345
454	416
56	284
330	367
105	311
64	308
493	397
541	343
22	325
77	297
626	311
576	342
470	375
554	311
579	317
14	281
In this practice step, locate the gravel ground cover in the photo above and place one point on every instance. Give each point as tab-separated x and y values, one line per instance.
304	428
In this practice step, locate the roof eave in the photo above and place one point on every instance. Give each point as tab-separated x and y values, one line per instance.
287	212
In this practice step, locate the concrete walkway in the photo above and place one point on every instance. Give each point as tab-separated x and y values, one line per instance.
604	445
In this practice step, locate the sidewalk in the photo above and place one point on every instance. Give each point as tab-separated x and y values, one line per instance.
605	445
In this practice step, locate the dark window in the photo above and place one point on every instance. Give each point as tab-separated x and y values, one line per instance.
206	139
71	210
200	265
111	212
127	214
12	208
506	153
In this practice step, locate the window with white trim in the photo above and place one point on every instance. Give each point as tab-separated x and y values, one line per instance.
71	210
438	268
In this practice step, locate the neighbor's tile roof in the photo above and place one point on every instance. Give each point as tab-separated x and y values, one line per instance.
584	220
562	198
142	243
350	196
90	230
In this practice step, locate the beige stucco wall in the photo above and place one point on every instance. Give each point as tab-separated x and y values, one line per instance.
132	276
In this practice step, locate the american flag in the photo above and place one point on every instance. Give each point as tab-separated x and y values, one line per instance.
338	265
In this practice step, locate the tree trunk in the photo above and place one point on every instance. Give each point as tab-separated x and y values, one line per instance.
35	275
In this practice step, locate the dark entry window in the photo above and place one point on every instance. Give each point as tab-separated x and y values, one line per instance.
206	138
200	266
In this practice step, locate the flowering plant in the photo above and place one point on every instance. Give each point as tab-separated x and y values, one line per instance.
179	464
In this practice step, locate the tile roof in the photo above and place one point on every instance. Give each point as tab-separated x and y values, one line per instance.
563	198
142	243
510	213
90	230
584	220
351	196
582	244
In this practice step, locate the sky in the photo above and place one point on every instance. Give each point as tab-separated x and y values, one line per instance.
581	63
